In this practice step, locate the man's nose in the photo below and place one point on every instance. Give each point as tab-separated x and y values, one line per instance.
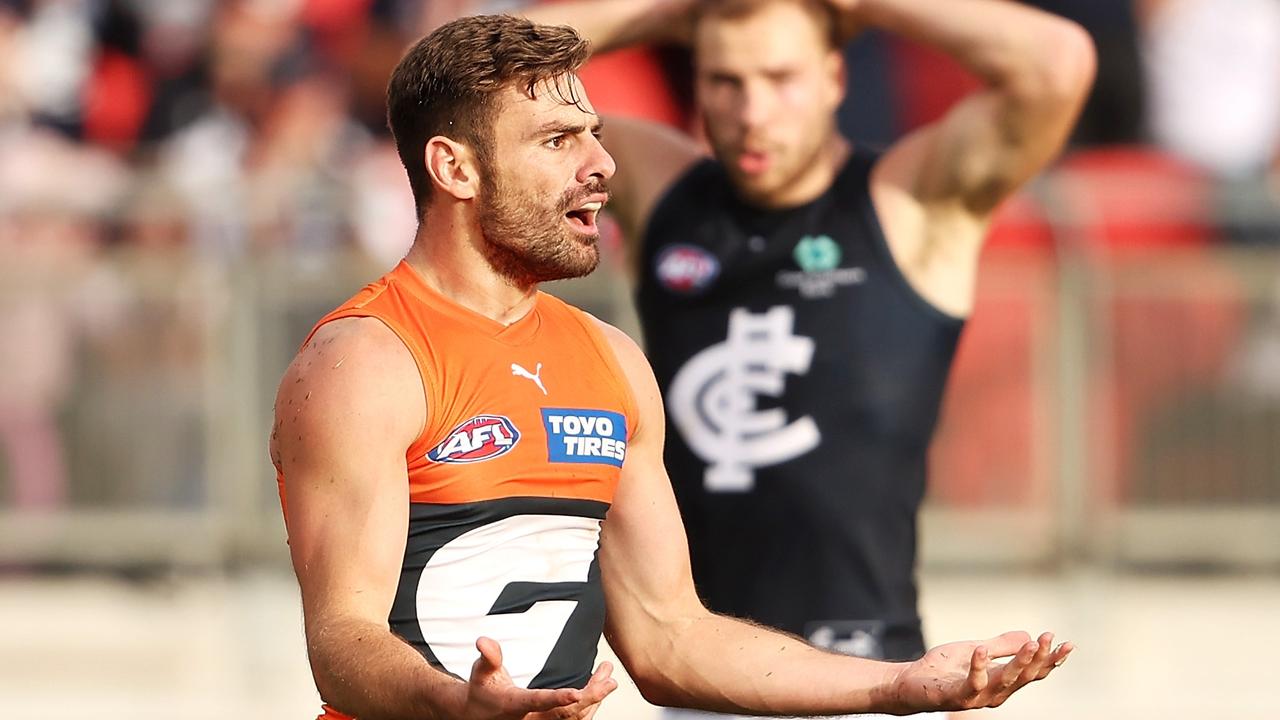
754	106
599	163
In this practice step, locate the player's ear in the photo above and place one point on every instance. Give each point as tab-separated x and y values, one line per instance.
838	71
452	167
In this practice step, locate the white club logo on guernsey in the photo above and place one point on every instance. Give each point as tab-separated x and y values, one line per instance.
535	376
463	579
713	399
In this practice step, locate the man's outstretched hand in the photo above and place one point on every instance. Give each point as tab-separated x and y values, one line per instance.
492	695
967	675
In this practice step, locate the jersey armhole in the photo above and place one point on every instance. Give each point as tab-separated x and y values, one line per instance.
880	245
616	375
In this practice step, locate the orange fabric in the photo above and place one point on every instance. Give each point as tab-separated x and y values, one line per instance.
466	364
331	714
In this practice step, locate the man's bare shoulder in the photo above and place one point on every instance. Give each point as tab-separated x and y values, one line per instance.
624	347
635	365
355	372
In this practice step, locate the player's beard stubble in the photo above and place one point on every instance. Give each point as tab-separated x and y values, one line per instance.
528	242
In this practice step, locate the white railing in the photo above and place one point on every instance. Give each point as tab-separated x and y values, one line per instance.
1113	407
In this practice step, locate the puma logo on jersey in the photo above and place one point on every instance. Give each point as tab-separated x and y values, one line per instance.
534	376
483	437
585	436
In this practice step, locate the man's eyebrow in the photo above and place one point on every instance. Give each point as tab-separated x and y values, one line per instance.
556	127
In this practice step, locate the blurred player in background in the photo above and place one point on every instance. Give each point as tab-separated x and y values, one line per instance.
802	295
472	470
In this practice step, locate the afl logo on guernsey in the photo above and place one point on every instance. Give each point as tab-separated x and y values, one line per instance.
686	269
481	438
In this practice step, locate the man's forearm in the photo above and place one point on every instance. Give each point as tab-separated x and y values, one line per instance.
363	670
1005	43
722	664
615	24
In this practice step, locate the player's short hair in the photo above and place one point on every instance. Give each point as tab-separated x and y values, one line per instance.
448	82
822	12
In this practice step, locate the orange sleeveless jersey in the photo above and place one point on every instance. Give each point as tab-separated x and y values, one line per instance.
526	433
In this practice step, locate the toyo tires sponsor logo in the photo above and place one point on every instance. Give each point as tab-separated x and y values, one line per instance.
481	438
686	269
585	436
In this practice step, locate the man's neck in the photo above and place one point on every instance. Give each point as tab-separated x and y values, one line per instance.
447	254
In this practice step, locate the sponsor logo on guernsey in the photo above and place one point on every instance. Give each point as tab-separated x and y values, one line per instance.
481	438
518	370
585	436
686	269
820	272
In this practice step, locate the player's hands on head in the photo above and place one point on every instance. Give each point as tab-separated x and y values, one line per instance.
967	675
850	22
491	695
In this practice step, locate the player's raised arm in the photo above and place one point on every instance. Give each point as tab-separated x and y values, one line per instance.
1037	69
936	188
346	412
613	24
682	655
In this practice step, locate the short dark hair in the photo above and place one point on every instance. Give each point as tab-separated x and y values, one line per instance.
447	82
821	11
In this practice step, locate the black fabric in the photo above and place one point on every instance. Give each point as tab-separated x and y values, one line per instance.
828	535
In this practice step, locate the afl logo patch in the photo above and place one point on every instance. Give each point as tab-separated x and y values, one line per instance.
481	438
686	269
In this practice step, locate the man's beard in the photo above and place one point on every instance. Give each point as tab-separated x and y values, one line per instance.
528	243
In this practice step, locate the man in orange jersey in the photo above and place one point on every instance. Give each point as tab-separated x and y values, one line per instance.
471	470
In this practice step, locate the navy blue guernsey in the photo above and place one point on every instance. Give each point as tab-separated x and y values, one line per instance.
802	377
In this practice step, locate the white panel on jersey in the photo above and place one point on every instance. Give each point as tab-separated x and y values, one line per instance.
462	580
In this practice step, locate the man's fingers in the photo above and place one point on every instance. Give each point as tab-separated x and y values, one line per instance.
1007	644
978	671
1016	669
600	685
535	701
490	655
1055	659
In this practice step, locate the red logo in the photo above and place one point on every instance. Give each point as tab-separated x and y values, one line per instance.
686	268
481	438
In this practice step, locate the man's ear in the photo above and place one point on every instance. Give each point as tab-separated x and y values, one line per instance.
452	167
839	71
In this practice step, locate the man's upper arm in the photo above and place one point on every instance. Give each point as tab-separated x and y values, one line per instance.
644	556
345	415
650	158
995	140
935	189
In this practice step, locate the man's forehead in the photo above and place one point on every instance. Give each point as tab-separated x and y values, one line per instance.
562	95
775	32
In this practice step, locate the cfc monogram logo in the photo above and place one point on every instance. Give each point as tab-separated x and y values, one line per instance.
713	399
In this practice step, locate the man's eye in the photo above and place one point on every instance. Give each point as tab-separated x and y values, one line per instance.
556	142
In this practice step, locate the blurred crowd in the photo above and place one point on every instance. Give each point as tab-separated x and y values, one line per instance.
186	135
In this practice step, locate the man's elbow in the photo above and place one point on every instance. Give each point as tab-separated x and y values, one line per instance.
647	669
1066	62
657	688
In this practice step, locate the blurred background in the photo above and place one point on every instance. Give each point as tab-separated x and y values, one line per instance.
186	186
